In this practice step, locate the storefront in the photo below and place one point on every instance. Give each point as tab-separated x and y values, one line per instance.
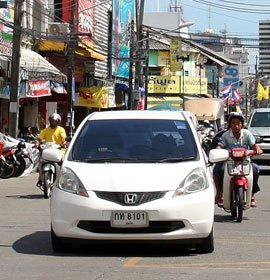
38	78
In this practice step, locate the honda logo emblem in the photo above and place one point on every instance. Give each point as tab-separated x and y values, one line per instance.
130	198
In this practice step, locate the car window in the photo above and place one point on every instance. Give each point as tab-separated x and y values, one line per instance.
134	139
260	119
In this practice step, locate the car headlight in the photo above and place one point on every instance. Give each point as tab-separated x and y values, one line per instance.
69	182
195	181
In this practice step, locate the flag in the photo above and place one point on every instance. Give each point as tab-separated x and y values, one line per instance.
236	97
265	93
260	91
226	92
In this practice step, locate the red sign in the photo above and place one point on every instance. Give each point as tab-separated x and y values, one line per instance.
39	88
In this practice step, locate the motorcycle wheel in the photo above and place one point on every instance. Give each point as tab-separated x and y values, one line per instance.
8	169
19	167
237	203
1	168
47	183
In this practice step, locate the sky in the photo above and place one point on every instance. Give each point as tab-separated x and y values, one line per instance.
239	17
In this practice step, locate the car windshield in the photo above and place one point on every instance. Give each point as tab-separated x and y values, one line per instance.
260	119
134	141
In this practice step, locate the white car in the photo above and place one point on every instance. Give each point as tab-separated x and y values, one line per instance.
134	176
259	125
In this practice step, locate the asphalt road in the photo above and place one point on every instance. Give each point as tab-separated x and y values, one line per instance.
242	250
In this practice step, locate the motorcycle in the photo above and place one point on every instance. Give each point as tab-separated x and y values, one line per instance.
13	160
6	166
22	154
237	182
206	134
51	159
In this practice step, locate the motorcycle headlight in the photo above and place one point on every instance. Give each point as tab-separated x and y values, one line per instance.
195	181
69	182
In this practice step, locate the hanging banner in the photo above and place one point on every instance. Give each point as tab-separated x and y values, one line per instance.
94	97
123	14
39	88
174	53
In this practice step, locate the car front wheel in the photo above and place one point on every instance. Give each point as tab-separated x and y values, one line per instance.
207	245
58	244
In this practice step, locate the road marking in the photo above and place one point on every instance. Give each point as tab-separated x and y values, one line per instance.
240	242
132	262
135	262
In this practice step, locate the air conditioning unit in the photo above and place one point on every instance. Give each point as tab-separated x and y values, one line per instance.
56	28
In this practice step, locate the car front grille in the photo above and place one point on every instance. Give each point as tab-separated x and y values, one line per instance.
265	139
154	227
121	197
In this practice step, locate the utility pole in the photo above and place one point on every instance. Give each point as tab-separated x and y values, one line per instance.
138	70
70	71
131	64
15	69
146	70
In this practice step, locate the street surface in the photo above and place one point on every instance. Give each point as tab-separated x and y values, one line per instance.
242	250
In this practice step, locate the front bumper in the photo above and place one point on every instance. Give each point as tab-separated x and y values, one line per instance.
183	217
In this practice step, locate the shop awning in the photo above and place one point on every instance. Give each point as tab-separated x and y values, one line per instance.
47	45
86	52
33	66
155	100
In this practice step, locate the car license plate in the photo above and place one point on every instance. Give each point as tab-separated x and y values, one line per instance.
129	219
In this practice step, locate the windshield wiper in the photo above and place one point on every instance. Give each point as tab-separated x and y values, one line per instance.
110	159
177	159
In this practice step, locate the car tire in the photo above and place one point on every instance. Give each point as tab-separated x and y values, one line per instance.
207	245
58	244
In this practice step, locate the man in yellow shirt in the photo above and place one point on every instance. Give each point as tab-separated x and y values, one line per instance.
53	133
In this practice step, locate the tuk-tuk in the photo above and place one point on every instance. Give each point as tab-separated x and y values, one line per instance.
211	109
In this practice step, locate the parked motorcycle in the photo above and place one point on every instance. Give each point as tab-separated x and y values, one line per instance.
6	166
22	154
8	160
237	181
13	160
51	160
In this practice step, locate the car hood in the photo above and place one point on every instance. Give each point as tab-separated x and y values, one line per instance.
260	131
128	177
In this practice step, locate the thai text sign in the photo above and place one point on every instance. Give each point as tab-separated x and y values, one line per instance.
194	85
39	88
164	84
174	53
231	76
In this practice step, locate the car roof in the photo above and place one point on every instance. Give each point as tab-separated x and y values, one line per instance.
137	114
260	110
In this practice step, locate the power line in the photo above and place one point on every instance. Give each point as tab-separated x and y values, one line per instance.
231	8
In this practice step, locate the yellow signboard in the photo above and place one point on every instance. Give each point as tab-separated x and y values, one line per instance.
94	97
164	84
194	85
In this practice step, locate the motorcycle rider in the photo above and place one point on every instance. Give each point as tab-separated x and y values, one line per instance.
53	133
236	136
